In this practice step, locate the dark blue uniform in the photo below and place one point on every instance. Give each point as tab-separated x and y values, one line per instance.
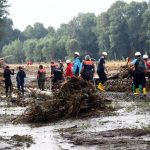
20	80
7	79
101	70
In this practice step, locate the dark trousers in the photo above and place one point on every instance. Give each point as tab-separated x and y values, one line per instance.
87	77
102	77
8	87
20	87
139	79
41	84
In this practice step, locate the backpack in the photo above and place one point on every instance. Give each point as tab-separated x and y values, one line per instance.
140	66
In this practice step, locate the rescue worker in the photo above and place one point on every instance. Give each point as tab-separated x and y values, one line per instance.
57	75
101	71
61	65
145	57
52	67
139	73
20	79
69	73
88	69
41	76
7	79
77	65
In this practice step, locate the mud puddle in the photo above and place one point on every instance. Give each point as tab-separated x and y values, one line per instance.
128	127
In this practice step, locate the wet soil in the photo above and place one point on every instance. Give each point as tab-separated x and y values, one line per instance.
127	127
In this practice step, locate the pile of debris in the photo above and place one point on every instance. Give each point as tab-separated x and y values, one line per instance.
119	85
120	82
1	77
76	98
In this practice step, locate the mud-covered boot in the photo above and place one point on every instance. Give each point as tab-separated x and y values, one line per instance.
136	91
144	92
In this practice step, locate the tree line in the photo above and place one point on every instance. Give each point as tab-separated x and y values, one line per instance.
120	31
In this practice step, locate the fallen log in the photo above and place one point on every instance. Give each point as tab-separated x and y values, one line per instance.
37	93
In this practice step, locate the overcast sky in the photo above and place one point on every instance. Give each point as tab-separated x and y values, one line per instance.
53	12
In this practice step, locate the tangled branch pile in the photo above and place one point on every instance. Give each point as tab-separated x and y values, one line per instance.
75	98
119	85
121	81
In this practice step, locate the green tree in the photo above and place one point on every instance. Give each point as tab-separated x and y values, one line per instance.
28	47
102	32
133	14
118	29
3	16
48	50
29	32
72	45
39	30
15	49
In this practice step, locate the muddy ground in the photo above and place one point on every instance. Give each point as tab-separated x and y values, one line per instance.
127	127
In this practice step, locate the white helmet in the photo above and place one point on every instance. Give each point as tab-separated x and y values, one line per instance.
68	61
77	53
145	56
104	53
137	54
87	57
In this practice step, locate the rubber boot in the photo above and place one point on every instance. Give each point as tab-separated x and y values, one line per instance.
133	87
144	92
140	88
136	91
100	87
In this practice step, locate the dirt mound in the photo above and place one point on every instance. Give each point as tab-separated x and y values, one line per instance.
75	98
124	85
122	81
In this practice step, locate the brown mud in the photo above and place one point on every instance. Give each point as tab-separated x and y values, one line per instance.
16	142
123	139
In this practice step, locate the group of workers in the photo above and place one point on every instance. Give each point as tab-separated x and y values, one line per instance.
78	68
19	79
84	69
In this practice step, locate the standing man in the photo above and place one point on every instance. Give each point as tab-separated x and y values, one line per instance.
101	71
52	67
61	65
57	76
77	65
7	79
20	79
41	76
139	73
88	69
